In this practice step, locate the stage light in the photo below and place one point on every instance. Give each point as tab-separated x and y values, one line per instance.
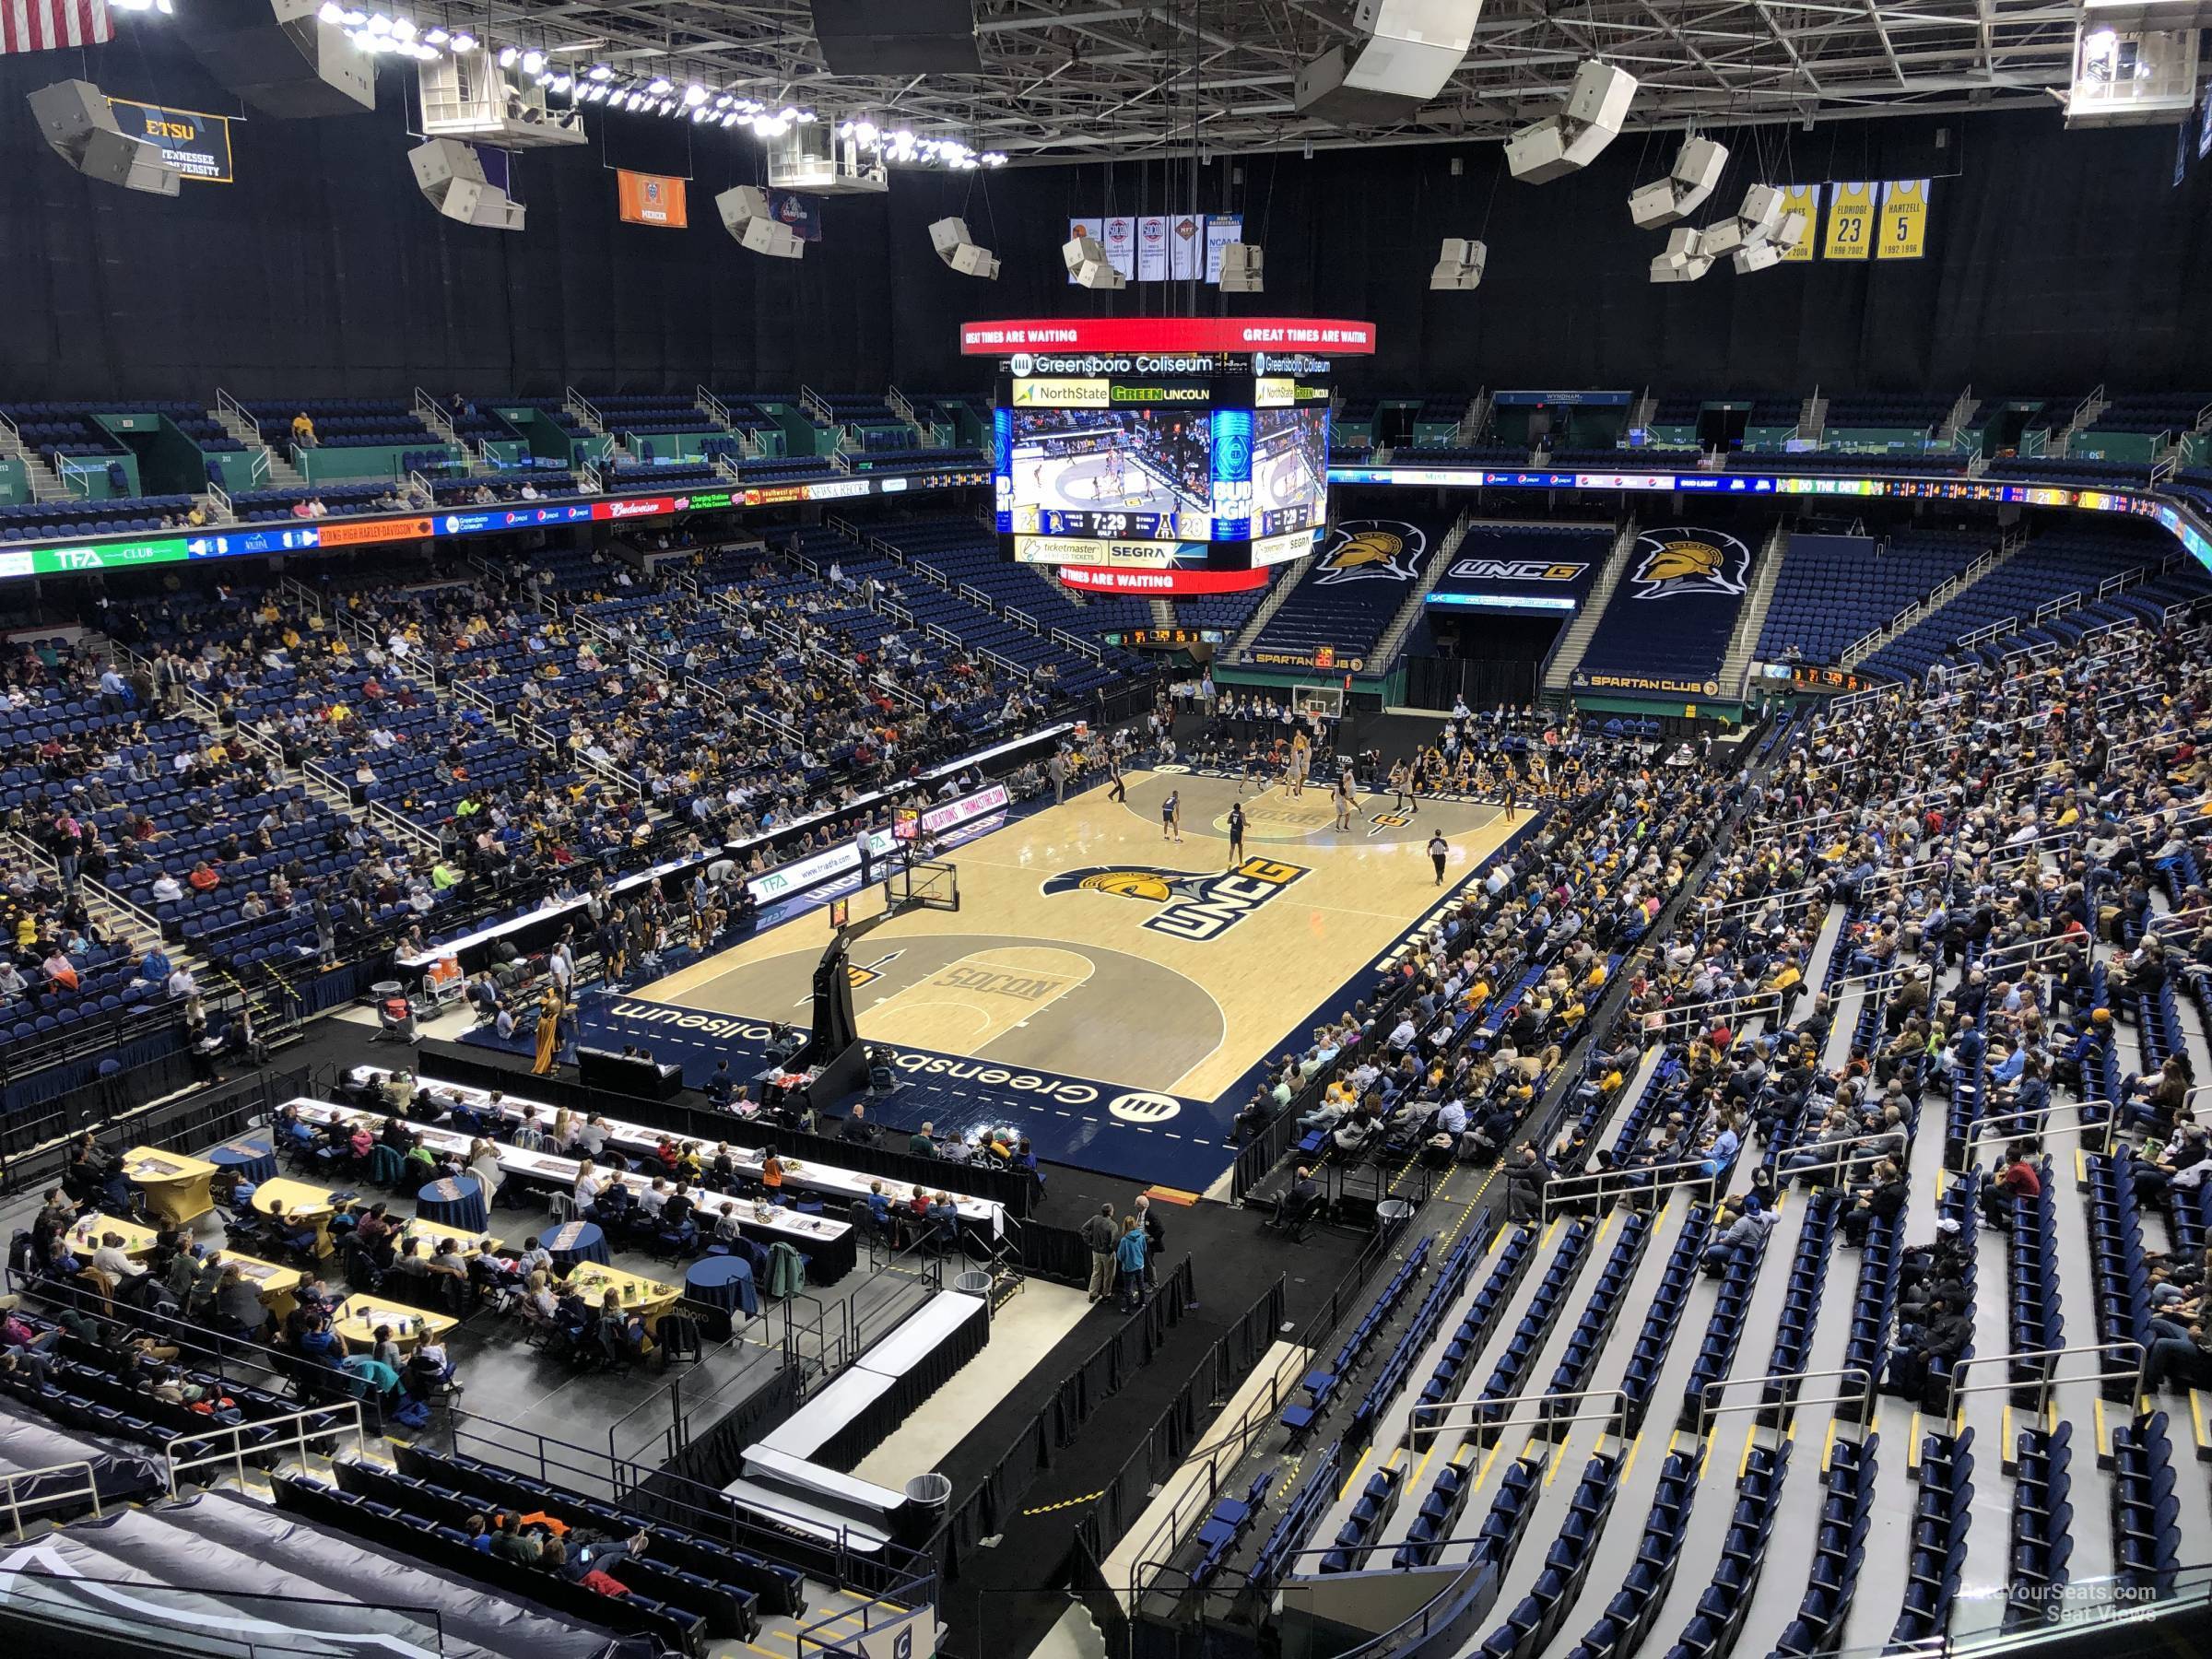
434	36
507	55
600	72
561	83
463	40
533	62
657	86
333	14
379	24
695	95
403	31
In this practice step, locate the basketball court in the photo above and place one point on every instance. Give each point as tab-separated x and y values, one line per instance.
1089	950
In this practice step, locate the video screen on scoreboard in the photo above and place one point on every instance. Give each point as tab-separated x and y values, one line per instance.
1290	470
1140	474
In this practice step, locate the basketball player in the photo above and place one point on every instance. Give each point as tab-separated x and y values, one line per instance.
1344	801
1248	763
1512	791
1400	781
1171	817
1438	849
1114	770
1236	834
1301	755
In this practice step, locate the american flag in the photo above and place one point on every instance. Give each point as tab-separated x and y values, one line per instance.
45	25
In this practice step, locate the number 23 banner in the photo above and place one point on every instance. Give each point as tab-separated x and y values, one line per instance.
1876	221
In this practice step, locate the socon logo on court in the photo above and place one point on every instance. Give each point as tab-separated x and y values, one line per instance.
1138	1107
1372	551
1672	562
1196	905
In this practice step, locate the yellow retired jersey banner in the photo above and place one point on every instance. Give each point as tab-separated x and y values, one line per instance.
1804	199
1849	220
1904	219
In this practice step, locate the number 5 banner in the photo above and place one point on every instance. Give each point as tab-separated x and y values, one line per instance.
1904	219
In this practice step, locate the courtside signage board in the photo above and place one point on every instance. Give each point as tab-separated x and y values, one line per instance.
1328	337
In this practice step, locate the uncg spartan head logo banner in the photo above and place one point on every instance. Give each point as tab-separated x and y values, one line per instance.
1194	904
1688	561
1372	550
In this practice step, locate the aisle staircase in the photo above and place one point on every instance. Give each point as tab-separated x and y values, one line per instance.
1735	667
1416	599
1576	640
1919	612
276	471
1293	573
45	483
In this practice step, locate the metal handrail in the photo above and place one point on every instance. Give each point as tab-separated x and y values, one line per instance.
235	1452
1415	1426
1590	1184
1707	1410
13	1501
2050	1377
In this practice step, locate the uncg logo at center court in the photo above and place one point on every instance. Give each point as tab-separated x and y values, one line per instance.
1196	905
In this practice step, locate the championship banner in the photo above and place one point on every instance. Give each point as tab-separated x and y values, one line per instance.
1804	199
1162	247
1904	219
1186	246
193	144
653	199
1849	220
1152	248
1118	237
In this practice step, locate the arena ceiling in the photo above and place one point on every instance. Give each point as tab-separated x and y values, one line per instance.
1066	80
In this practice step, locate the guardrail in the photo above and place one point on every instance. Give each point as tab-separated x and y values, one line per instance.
232	1448
15	1482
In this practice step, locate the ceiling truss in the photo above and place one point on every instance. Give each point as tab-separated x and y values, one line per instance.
1073	81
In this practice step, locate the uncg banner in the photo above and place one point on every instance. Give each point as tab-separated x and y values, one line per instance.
1499	579
193	144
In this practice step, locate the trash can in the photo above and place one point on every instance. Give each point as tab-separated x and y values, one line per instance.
385	988
974	1281
927	1499
1391	1214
